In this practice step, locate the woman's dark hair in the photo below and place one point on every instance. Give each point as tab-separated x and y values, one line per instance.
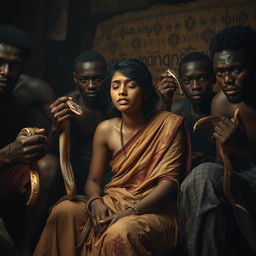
138	72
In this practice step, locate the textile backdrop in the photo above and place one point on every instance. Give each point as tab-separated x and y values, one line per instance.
160	36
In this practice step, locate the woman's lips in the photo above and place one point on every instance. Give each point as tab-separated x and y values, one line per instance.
122	101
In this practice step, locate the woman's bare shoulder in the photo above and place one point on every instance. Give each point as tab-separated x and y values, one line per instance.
107	126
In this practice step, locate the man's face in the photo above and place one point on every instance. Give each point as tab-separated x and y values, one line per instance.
196	80
232	73
89	77
11	66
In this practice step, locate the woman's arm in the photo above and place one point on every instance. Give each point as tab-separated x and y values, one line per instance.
92	189
98	162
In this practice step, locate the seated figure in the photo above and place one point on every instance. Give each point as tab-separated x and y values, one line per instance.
22	98
216	222
196	78
136	213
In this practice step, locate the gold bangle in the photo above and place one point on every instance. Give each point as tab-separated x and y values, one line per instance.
135	209
90	202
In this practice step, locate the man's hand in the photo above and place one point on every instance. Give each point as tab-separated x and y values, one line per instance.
26	149
224	130
230	132
60	112
166	86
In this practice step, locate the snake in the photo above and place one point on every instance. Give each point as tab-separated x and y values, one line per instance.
173	74
210	122
65	164
33	172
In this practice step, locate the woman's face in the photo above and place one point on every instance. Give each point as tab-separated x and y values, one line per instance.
126	94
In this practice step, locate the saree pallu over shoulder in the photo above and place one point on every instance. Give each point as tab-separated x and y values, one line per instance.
152	155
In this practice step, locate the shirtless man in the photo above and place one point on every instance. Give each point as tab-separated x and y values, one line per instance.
225	102
89	71
212	226
196	78
18	99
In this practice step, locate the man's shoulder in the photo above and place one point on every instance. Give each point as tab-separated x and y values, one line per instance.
220	105
29	82
75	94
34	88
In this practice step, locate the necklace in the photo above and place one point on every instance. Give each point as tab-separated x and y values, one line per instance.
122	138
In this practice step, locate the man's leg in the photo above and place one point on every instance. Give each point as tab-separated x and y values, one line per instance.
204	210
7	246
244	191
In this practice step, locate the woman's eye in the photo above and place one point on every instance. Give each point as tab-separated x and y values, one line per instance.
132	85
115	86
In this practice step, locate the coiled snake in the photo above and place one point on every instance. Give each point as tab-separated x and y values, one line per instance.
207	124
65	165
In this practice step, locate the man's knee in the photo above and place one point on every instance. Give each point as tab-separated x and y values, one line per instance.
204	173
47	167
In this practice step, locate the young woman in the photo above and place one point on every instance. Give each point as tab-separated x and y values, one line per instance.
136	214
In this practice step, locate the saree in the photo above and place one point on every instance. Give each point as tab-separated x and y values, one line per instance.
159	151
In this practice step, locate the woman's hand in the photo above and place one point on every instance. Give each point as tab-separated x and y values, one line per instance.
108	221
99	211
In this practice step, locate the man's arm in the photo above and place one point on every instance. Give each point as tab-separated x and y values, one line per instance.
23	150
44	96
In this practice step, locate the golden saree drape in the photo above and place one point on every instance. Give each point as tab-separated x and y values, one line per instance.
159	151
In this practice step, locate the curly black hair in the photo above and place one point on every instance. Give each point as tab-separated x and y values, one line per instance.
13	36
233	38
